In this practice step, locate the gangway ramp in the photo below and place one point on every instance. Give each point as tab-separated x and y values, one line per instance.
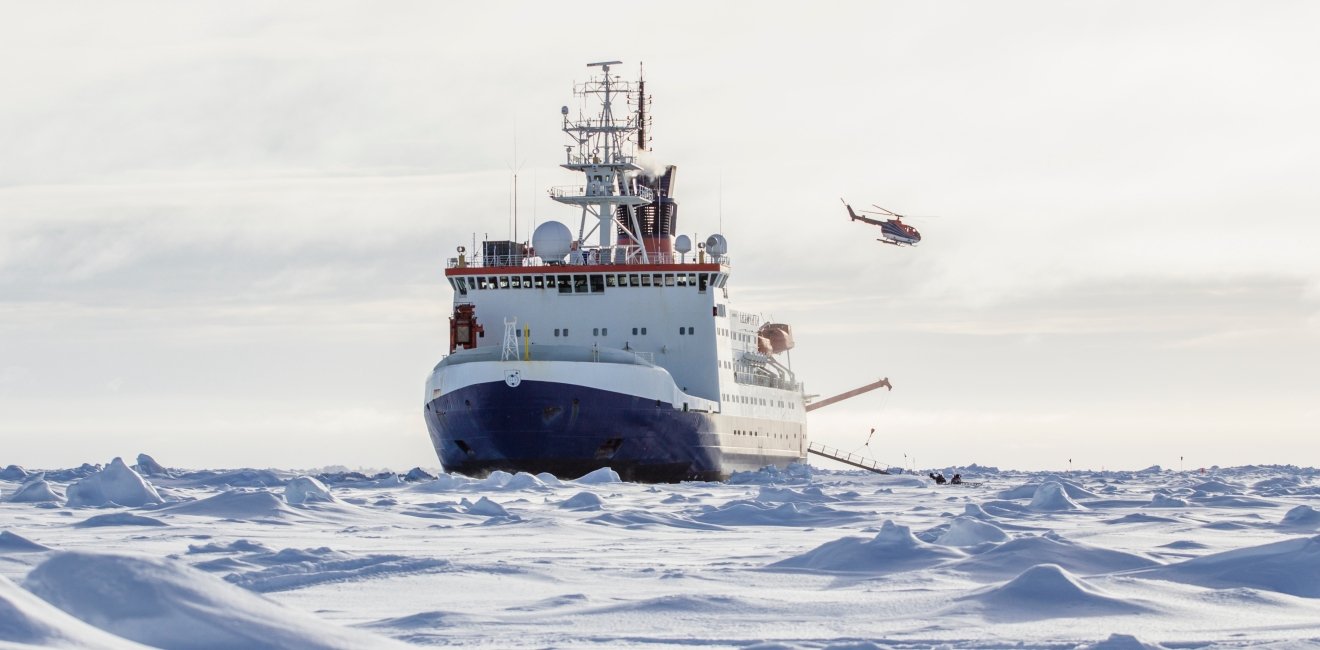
847	458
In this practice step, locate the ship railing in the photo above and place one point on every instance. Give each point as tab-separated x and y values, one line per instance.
562	191
575	191
767	382
592	257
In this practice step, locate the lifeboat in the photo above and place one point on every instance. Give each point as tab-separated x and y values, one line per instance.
777	337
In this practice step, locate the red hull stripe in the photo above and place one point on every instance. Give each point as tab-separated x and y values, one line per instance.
579	269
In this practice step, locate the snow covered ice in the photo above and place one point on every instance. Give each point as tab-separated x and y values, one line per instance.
148	556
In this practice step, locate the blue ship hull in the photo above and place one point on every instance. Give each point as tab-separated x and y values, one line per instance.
570	430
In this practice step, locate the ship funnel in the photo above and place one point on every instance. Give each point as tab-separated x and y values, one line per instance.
657	221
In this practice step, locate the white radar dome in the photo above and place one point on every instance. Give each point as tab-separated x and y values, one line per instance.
552	241
683	244
717	245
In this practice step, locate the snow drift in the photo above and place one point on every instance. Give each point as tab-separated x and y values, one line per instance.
35	623
894	548
164	603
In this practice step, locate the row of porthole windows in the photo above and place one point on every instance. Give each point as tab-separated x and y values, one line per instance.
782	436
757	401
588	283
605	331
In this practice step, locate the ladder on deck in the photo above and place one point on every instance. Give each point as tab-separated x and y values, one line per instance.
848	458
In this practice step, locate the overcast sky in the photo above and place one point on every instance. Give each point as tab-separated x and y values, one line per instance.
223	225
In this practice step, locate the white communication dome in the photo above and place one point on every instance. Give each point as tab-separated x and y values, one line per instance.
552	240
717	245
683	244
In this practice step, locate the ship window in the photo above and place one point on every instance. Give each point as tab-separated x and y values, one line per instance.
682	280
556	331
597	283
632	280
565	331
611	281
504	281
565	286
701	282
646	280
682	331
527	282
643	331
604	331
515	282
692	278
595	331
538	282
579	284
481	283
634	331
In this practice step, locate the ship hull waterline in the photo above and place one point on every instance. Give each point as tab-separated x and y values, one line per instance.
570	430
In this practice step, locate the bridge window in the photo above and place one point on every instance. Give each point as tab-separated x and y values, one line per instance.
669	279
634	281
565	284
504	282
597	284
538	282
515	282
646	280
611	281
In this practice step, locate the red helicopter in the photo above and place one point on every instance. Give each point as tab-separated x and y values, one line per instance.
892	230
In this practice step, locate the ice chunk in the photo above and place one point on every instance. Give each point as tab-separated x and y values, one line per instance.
148	466
967	531
117	484
305	489
582	501
13	473
38	491
484	507
1302	515
602	475
1052	497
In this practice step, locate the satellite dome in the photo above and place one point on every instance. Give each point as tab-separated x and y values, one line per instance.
683	244
717	245
552	241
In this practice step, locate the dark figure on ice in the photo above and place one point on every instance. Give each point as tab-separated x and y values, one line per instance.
938	478
957	478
